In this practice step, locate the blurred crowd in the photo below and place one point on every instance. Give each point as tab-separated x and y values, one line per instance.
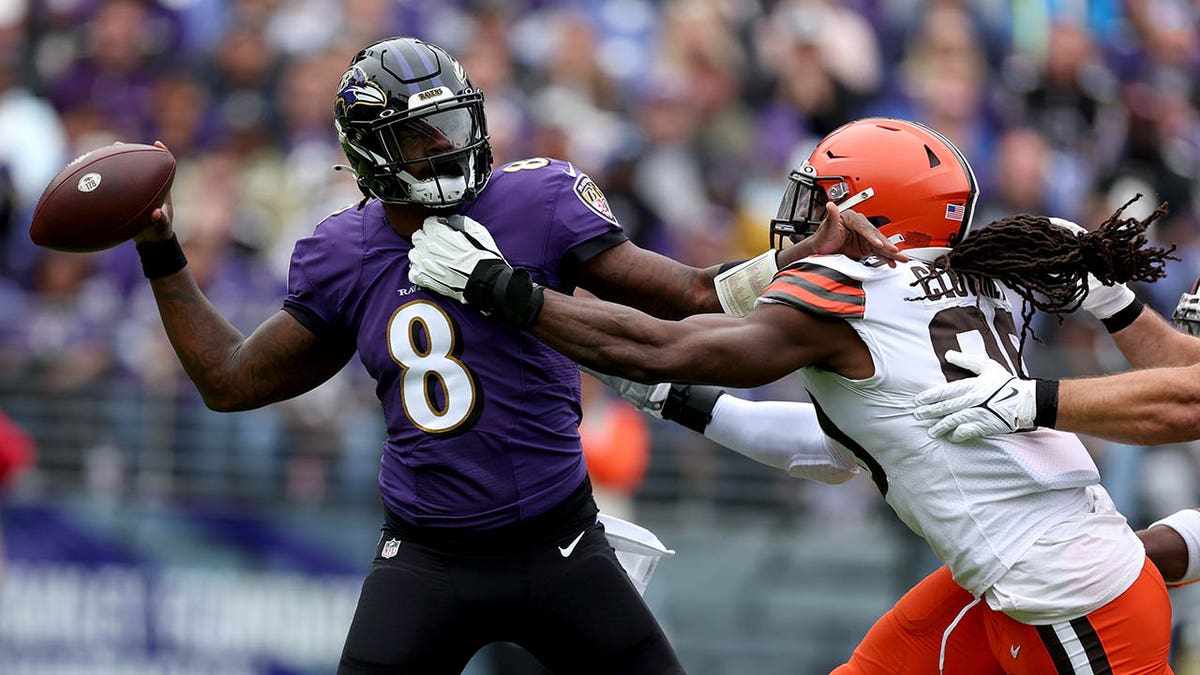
688	113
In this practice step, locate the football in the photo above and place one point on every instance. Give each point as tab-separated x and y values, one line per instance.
103	198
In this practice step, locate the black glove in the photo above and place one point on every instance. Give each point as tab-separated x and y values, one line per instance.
497	289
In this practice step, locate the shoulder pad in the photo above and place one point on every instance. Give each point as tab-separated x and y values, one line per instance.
821	287
862	270
540	165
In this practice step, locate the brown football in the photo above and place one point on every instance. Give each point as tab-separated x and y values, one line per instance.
102	198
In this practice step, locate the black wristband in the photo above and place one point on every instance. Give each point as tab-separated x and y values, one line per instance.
496	289
1045	396
161	258
691	406
725	267
1123	318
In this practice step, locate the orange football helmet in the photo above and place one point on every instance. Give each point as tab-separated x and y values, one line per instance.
907	179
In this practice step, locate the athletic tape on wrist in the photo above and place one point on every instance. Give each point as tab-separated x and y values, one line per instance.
739	285
161	258
1124	317
1045	396
1187	524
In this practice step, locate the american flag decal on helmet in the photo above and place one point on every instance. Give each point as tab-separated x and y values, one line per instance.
955	211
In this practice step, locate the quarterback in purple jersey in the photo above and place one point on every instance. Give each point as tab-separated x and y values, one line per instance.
490	530
454	411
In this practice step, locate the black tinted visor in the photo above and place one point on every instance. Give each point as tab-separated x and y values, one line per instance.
428	136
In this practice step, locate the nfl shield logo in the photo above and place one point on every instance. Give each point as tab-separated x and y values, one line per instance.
390	547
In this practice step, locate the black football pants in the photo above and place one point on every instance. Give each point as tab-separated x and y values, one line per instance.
427	611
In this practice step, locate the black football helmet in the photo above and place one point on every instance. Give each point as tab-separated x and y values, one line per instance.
412	126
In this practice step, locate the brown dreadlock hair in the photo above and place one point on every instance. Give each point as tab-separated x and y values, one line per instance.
1047	265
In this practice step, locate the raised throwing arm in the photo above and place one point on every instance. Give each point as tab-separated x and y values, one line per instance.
279	360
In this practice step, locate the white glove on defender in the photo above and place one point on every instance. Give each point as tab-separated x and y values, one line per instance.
647	398
1101	301
993	403
446	250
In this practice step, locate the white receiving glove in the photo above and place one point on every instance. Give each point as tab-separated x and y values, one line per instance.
993	403
1102	301
445	252
647	398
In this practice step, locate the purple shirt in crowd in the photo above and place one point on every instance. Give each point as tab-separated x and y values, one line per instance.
482	419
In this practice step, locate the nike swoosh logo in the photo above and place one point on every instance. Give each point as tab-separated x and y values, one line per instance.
569	548
1014	651
1012	391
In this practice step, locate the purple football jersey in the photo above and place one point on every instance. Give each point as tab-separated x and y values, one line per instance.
482	419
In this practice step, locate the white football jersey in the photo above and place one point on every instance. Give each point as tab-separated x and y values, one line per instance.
981	505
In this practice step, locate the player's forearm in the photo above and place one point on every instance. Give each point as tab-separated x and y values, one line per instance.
664	288
1147	407
203	340
1151	342
653	283
608	337
624	341
233	372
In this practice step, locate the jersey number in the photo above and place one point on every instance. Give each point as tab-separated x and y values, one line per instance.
426	344
948	330
527	164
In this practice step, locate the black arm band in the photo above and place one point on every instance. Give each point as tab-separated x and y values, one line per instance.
1045	396
1123	318
498	290
161	258
691	406
725	267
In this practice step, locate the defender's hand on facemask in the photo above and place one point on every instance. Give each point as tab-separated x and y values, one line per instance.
848	233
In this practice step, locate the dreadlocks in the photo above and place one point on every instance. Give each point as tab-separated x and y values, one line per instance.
1047	265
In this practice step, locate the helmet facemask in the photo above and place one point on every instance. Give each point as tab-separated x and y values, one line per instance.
1187	312
436	155
802	208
